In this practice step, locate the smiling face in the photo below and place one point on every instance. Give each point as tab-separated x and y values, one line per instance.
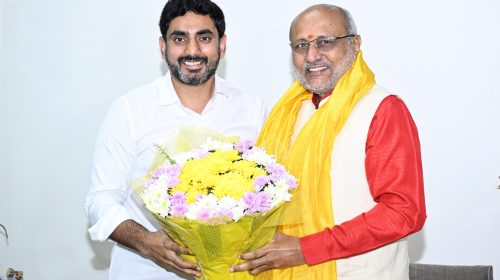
319	71
192	48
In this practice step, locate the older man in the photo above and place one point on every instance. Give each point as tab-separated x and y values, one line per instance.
355	150
192	43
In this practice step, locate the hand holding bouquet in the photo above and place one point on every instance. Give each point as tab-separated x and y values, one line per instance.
220	199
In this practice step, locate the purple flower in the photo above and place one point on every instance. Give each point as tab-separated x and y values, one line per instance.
260	181
275	171
244	145
179	209
172	182
158	172
257	202
178	198
179	204
204	214
174	170
264	201
225	212
291	181
250	200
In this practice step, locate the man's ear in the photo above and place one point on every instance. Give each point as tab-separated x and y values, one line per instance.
163	46
222	46
356	44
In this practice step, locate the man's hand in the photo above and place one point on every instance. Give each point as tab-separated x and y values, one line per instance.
284	251
157	245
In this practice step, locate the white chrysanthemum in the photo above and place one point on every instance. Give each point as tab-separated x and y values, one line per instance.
279	192
181	158
155	199
204	204
259	156
212	145
238	211
164	207
159	183
192	212
207	201
227	202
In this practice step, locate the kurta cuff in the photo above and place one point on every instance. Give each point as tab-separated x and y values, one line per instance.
314	249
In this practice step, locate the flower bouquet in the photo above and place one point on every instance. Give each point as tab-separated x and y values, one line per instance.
219	199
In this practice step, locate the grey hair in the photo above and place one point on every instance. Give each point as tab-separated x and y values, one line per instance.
349	24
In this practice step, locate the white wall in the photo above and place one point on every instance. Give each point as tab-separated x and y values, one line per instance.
64	61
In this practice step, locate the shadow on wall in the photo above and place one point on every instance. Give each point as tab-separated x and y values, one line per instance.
416	246
102	253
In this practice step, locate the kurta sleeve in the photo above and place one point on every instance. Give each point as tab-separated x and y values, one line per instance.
393	168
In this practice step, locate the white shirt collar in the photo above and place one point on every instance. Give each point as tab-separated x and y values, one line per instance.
168	95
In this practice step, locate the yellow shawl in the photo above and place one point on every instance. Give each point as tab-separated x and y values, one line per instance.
309	156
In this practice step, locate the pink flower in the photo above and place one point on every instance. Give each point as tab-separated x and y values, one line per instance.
158	172
257	202
179	204
225	212
260	181
275	171
204	214
291	181
244	145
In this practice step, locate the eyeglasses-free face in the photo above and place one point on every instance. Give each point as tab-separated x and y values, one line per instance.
322	44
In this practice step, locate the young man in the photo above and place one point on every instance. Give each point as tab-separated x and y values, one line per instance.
192	43
355	150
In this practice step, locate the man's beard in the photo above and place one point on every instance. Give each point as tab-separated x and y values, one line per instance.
210	69
338	71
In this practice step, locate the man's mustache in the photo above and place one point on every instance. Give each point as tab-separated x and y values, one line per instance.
182	59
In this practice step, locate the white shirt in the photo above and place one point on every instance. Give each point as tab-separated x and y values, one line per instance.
124	151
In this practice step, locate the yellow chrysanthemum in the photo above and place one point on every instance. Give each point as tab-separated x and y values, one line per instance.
233	185
230	155
191	196
222	173
241	165
248	169
181	187
217	163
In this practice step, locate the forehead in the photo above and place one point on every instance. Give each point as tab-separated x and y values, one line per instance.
191	23
319	22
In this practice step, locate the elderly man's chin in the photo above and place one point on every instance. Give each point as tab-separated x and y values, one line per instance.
317	86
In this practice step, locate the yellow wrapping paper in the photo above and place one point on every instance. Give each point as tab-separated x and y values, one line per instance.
216	247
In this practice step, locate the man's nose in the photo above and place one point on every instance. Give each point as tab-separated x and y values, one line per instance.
313	54
193	47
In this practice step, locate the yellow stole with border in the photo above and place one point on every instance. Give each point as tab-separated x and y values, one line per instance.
309	157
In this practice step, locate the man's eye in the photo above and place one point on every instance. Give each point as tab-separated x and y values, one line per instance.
205	39
326	42
179	40
302	45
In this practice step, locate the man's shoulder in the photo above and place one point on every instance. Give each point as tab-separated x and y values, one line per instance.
380	90
143	95
144	91
137	99
233	91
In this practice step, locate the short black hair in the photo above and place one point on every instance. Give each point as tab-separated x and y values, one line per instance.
177	8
